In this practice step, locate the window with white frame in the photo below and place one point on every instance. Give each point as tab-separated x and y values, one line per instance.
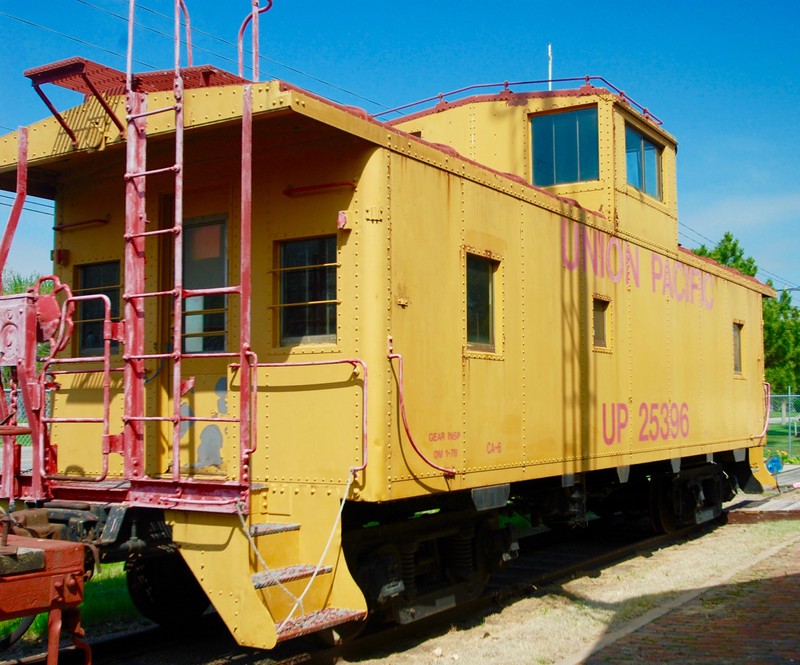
307	304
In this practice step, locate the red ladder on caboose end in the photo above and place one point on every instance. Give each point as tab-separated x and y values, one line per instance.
96	80
195	495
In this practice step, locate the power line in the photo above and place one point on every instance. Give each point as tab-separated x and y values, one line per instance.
156	31
763	271
11	197
71	38
233	46
40	212
697	233
777	278
199	48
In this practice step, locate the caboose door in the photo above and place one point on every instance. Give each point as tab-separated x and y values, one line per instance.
203	335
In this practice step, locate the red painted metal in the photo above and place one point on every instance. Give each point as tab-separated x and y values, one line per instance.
135	216
200	76
72	225
311	623
91	78
313	189
185	12
177	323
49	580
252	17
402	406
105	418
505	93
73	74
78	74
19	198
247	425
135	487
222	496
10	448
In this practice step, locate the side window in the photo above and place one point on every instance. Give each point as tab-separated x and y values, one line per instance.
481	302
737	346
307	291
600	328
92	280
642	163
565	147
204	267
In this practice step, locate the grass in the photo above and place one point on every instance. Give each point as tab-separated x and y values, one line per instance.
105	596
778	443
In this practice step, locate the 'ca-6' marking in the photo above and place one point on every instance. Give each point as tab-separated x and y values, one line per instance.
658	421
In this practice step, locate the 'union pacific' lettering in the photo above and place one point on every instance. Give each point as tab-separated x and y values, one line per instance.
608	257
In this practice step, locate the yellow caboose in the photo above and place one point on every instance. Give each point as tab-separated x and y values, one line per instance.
320	356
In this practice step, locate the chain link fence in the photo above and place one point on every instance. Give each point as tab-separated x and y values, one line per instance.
784	422
22	417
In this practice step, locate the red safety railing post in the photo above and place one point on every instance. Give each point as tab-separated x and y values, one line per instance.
7	489
246	432
177	378
19	199
135	212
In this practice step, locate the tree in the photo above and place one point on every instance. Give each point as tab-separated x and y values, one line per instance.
728	253
781	343
781	318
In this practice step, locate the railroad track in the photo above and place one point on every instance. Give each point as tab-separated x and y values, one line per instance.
545	558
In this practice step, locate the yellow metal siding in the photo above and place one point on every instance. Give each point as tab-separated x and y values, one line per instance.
543	402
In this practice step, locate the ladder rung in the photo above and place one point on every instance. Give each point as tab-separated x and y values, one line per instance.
141	174
158	232
144	114
14	430
222	290
311	623
289	574
150	356
149	294
270	528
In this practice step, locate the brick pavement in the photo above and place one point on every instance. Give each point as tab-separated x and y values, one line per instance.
752	618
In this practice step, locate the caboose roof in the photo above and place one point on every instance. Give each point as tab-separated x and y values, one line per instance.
213	99
213	103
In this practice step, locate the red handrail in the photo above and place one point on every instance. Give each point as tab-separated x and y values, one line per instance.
402	405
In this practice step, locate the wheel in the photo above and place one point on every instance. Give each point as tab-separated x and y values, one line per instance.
662	507
164	590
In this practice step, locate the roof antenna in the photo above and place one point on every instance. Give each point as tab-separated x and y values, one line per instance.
550	67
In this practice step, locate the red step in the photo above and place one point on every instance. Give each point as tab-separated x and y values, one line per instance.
288	574
311	623
267	528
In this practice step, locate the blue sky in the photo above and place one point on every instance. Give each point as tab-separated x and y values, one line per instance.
723	76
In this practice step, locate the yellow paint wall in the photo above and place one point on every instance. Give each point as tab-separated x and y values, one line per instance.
533	407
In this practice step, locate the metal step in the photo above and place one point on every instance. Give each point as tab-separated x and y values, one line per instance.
311	623
268	528
288	574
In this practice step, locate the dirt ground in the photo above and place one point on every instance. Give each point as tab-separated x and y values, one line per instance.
560	623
